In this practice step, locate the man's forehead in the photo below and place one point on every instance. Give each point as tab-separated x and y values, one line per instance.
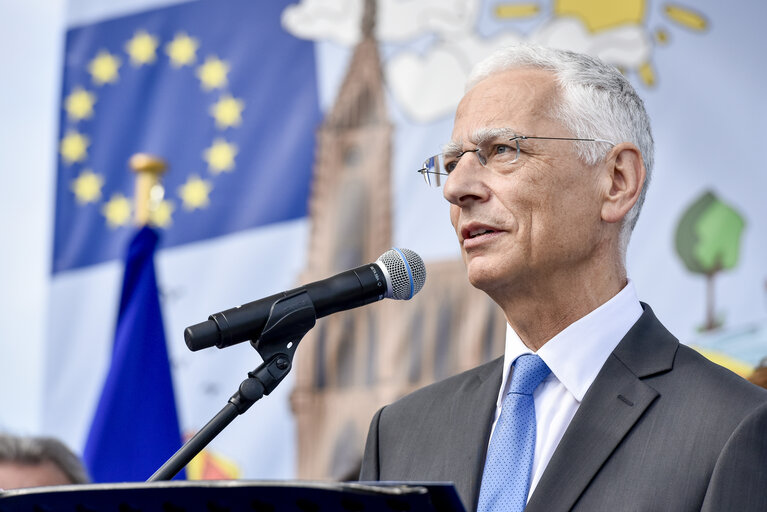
511	102
513	85
15	475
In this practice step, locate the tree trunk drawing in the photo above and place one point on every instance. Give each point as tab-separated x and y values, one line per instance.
711	322
708	241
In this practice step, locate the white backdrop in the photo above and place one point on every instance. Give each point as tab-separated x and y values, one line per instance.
709	117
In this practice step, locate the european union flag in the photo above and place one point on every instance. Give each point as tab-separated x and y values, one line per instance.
135	428
216	88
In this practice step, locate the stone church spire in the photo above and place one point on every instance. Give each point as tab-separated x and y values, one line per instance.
353	362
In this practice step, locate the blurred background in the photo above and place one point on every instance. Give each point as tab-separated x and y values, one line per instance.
292	132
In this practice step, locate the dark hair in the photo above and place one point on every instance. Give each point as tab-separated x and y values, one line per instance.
759	376
36	450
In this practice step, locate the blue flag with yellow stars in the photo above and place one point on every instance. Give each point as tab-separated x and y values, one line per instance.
216	88
135	428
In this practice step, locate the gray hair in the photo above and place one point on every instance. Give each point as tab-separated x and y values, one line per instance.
37	450
597	102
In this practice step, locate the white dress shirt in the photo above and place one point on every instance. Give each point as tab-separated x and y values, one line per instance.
575	356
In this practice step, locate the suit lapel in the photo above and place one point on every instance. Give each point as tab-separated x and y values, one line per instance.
473	409
606	415
616	400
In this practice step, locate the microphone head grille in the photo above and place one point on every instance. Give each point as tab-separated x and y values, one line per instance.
406	270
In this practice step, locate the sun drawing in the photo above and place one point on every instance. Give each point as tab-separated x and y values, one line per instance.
602	15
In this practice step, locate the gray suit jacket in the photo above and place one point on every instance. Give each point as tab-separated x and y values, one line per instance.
661	428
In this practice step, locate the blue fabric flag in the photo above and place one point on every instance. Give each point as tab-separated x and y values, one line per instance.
135	428
219	90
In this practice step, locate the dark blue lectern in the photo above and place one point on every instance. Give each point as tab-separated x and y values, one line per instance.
236	496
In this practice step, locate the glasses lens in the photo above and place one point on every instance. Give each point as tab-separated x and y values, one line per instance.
432	171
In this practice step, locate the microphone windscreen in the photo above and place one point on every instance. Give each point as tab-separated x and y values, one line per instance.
406	270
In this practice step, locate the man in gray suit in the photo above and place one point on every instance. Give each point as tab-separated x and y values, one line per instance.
546	171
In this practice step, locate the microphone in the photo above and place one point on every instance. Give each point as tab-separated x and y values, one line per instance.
397	274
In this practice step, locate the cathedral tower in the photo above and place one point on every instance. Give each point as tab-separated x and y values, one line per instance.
354	362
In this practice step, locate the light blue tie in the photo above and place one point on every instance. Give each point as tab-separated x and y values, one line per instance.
509	462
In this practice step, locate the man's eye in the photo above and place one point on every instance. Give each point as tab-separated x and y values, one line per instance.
450	166
501	149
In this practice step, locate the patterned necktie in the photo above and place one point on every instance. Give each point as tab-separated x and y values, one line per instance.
509	462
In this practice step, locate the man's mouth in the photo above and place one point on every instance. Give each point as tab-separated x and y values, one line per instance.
477	232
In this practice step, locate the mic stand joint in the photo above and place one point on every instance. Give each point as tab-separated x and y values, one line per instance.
289	320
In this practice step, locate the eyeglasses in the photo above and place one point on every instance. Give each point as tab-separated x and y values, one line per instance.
490	154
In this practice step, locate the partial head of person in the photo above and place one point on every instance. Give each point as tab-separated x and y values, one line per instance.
37	462
759	375
546	172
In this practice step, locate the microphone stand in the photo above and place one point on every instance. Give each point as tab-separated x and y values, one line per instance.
289	320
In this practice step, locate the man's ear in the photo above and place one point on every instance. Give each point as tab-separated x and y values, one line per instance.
624	178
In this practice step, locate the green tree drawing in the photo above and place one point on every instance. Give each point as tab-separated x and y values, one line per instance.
708	241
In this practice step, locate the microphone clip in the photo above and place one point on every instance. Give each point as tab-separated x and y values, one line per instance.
290	318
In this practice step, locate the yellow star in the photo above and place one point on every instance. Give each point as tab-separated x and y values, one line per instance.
182	50
142	48
227	111
220	156
103	68
79	104
74	147
87	187
194	193
117	211
161	216
212	73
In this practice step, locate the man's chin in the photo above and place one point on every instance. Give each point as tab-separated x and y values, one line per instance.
493	277
483	277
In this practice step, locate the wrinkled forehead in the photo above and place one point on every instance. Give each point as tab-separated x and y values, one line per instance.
520	100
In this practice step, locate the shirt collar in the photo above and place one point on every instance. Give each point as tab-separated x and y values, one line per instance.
578	352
